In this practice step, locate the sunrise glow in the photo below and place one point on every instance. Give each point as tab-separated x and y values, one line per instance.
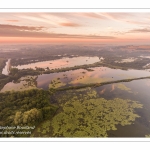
75	27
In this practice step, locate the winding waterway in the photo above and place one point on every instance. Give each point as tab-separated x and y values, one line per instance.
6	69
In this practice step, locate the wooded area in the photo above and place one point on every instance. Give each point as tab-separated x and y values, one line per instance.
25	108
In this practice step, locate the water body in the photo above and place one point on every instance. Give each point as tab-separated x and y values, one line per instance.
5	70
145	56
24	83
126	60
81	76
147	66
137	90
61	63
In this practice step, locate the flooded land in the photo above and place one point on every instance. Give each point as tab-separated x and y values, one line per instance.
75	91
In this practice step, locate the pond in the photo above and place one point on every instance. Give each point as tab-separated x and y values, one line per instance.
80	77
24	83
61	63
135	90
145	56
128	60
114	110
96	75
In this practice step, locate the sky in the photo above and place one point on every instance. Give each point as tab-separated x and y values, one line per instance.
74	27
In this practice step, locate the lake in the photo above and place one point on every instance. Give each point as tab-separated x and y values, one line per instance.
82	76
24	83
137	91
61	63
113	110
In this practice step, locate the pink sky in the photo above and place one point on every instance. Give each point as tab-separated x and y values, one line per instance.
75	27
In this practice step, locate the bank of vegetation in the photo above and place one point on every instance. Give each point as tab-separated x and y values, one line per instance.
25	108
2	64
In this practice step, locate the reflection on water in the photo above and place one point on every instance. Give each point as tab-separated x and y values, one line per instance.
96	114
61	63
81	76
24	83
126	60
135	90
5	70
145	56
147	66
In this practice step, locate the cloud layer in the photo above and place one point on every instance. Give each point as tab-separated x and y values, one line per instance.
19	28
141	30
75	25
69	24
26	31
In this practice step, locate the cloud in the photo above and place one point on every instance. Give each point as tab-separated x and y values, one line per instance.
36	32
144	30
69	24
130	18
127	17
138	30
105	16
19	28
12	20
117	16
119	32
93	15
138	22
